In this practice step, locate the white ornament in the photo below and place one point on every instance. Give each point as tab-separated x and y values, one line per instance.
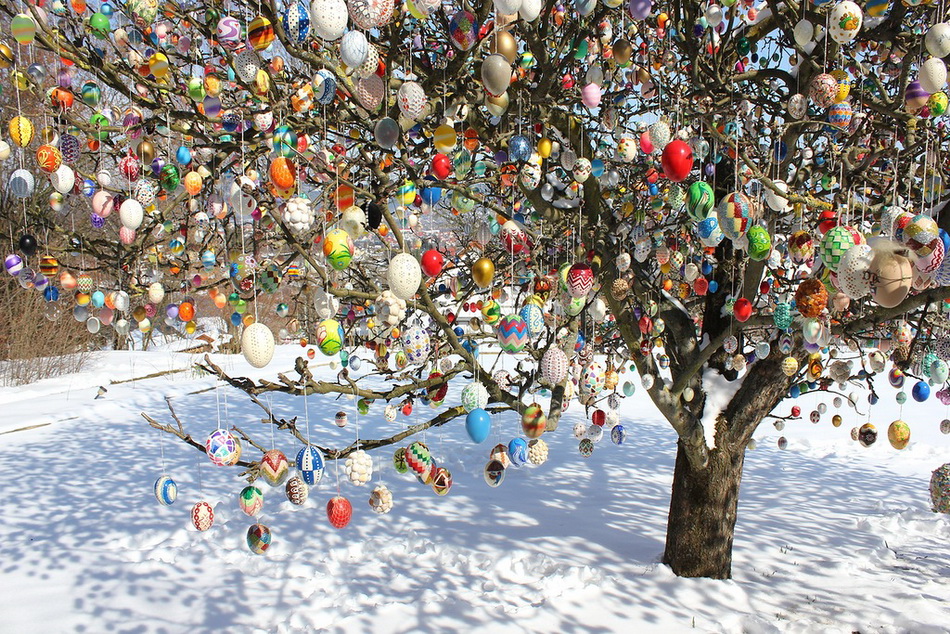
381	500
359	467
404	275
257	344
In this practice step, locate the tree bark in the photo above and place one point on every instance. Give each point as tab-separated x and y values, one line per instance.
702	518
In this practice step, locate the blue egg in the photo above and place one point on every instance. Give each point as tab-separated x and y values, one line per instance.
88	187
166	491
518	451
183	155
921	391
519	148
98	299
795	392
707	268
235	319
597	168
51	294
431	195
310	464
618	434
713	286
458	331
106	9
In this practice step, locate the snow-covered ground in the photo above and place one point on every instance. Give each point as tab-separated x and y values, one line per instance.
831	536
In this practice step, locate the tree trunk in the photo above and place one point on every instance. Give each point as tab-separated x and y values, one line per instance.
702	519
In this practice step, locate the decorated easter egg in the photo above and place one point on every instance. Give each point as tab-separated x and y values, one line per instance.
258	538
844	22
734	214
328	18
257	344
338	249
220	446
202	516
166	491
593	378
381	499
296	22
518	451
512	333
412	100
554	365
274	467
329	337
898	434
339	511
474	396
418	458
533	421
358	467
404	275
494	473
297	490
580	279
823	90
310	465
415	343
251	500
700	200
260	33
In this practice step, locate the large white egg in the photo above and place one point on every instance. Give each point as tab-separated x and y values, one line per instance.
131	213
257	344
404	275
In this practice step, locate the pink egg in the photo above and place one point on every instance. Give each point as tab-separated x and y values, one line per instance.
103	203
646	145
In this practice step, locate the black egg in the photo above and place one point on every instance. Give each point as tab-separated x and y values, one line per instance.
27	244
374	215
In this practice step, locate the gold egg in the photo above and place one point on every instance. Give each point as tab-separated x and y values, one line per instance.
482	272
623	51
145	151
505	44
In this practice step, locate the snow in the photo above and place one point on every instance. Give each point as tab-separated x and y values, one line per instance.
831	537
719	391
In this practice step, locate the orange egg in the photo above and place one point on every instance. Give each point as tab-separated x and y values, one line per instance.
220	300
303	342
248	320
186	311
67	280
311	354
283	172
344	197
193	183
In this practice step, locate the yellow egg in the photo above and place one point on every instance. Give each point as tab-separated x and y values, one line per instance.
445	138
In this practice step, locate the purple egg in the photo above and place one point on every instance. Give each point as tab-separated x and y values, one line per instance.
171	311
914	91
157	164
13	263
639	9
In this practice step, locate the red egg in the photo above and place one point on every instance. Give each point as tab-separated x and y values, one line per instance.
441	166
599	417
339	511
827	221
742	309
432	262
796	411
677	160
